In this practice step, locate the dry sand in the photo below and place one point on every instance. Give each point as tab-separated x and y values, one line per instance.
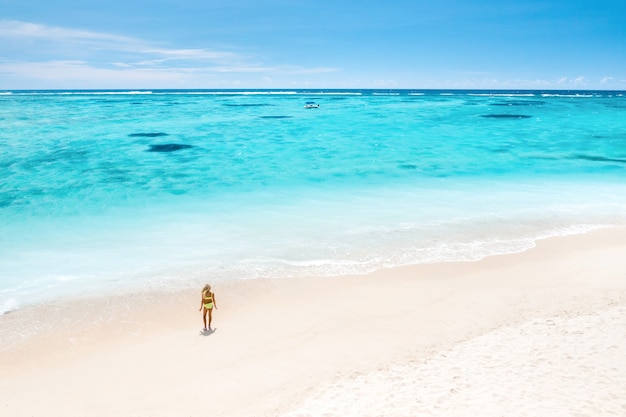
482	336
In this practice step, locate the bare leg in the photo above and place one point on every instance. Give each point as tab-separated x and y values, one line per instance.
210	317
204	317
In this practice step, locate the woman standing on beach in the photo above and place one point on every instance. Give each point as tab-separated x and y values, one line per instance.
206	305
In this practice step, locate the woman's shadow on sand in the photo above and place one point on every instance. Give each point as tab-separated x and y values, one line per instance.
208	332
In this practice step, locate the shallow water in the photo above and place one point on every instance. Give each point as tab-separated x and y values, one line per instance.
112	191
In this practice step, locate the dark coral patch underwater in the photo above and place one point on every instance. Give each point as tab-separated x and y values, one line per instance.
595	158
168	147
147	135
506	116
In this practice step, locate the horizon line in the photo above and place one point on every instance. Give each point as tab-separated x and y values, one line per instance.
280	89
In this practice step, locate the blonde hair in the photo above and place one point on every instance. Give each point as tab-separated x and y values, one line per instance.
206	289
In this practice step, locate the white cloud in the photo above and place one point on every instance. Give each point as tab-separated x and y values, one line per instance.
80	72
68	74
64	41
293	70
606	80
385	83
19	30
191	53
66	57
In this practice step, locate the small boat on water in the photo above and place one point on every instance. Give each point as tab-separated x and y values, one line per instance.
311	105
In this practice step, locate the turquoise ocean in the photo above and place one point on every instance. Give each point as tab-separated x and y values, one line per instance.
103	192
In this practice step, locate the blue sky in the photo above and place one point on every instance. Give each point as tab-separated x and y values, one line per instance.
149	44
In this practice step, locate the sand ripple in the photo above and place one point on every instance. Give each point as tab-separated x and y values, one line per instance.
562	366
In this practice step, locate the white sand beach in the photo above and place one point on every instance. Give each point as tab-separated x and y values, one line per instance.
531	334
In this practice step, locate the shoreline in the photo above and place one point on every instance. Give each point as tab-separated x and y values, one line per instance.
276	340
